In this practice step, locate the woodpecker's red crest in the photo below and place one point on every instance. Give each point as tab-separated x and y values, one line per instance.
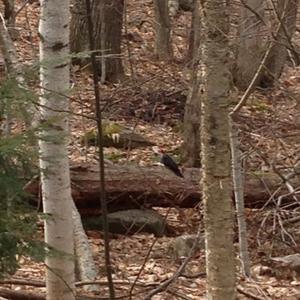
167	161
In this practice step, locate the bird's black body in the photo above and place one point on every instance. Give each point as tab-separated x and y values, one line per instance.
169	163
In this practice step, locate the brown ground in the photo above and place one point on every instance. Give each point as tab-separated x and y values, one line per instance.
156	94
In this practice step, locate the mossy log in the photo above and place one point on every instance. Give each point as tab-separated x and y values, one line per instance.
115	135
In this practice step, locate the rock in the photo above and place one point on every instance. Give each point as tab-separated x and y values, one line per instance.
181	246
131	221
288	265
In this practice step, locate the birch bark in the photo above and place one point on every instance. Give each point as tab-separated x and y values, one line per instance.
53	142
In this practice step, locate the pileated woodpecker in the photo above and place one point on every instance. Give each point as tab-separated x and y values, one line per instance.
167	161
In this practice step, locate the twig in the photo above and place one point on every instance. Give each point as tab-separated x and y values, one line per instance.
145	260
252	83
21	7
193	276
179	295
249	294
284	232
291	221
280	19
166	283
274	35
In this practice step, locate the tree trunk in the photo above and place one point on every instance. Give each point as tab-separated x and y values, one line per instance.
191	147
53	142
216	182
194	38
10	18
173	7
286	12
14	70
163	46
251	44
84	258
9	10
107	19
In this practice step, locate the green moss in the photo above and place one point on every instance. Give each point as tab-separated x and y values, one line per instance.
111	130
260	105
114	156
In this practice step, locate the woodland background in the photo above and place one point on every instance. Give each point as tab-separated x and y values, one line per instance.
149	102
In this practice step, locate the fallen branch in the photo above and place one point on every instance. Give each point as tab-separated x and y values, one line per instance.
40	283
179	271
249	294
20	295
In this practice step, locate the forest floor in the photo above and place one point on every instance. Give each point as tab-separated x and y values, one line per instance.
151	100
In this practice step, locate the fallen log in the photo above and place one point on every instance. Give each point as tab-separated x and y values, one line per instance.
128	187
131	187
20	295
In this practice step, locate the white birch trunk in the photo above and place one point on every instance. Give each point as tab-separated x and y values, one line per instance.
54	164
85	261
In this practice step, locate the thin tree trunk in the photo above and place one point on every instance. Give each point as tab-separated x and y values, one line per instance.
107	19
192	112
163	46
192	119
218	210
14	70
9	8
194	38
238	183
10	18
251	42
53	142
286	14
9	53
112	21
